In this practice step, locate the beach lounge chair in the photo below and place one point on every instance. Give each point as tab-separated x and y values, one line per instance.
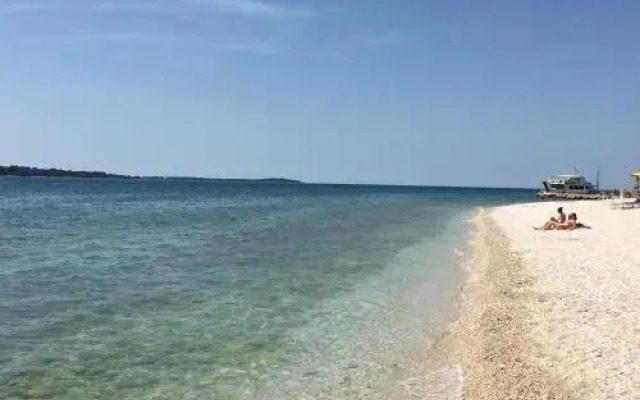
633	204
626	204
618	203
622	200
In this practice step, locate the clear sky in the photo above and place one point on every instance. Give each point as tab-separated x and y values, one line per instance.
482	93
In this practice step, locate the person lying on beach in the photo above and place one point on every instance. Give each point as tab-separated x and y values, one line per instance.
562	217
570	224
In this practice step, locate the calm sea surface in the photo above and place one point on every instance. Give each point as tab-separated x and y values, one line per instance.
150	289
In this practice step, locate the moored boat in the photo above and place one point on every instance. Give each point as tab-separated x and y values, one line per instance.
569	183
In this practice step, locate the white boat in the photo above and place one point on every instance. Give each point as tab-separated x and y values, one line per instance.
570	183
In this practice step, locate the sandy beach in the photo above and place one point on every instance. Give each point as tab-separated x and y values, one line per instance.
551	314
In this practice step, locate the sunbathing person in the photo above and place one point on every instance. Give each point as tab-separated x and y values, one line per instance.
562	217
570	224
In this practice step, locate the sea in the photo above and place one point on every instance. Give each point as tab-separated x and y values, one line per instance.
195	289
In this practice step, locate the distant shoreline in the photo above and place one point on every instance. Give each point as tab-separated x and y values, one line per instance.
33	172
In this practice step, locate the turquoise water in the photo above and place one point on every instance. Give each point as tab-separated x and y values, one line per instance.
114	289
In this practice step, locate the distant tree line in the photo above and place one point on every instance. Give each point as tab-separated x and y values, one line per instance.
16	170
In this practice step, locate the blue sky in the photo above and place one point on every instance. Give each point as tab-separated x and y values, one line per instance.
482	93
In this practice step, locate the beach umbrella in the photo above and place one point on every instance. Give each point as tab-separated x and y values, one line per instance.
636	176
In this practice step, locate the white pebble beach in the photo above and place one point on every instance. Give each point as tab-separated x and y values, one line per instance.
552	314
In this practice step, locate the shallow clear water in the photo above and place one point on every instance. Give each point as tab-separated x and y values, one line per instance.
114	289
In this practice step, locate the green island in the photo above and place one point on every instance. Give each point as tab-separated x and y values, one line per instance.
22	171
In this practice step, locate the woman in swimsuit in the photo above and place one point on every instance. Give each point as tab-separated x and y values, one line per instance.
568	225
562	217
